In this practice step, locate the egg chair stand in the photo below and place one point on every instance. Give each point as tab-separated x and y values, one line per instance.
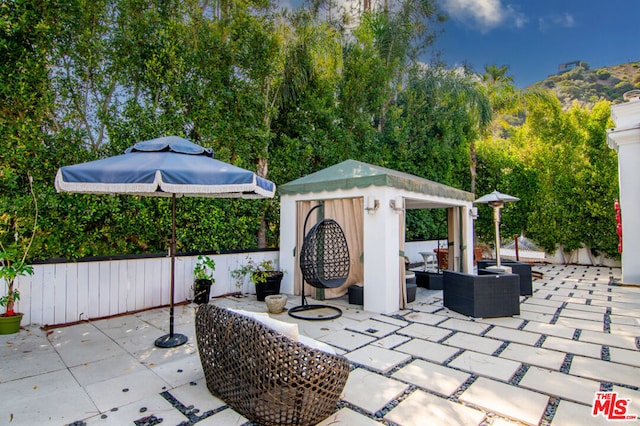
324	262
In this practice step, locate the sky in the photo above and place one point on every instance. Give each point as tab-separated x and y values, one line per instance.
533	37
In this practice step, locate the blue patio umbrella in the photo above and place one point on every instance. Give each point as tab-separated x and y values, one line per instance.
164	167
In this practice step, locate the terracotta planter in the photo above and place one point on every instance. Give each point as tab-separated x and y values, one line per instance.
10	325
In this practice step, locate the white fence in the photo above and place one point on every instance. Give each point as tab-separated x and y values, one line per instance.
60	293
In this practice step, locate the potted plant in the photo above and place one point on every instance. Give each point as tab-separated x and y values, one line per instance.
12	265
203	279
264	275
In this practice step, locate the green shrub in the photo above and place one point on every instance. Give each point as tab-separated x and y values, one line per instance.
603	74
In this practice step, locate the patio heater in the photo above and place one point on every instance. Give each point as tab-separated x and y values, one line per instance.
496	200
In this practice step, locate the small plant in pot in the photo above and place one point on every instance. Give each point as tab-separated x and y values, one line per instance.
13	264
203	278
265	275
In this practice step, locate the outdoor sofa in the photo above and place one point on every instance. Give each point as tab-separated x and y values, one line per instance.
523	270
265	375
485	295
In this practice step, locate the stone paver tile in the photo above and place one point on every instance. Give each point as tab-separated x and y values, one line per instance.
622	319
155	405
508	322
65	407
628	330
618	308
84	343
224	417
35	386
423	331
581	324
586	308
559	384
486	365
464	325
583	315
575	347
348	417
390	320
534	356
532	307
374	328
428	350
424	318
498	421
550	329
318	329
152	355
180	371
432	377
348	340
625	342
535	316
625	356
371	391
421	406
511	335
377	358
472	342
197	394
428	307
391	342
28	361
535	300
605	371
122	326
510	401
571	414
98	371
568	299
122	390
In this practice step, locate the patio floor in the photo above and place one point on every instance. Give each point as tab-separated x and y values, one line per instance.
576	335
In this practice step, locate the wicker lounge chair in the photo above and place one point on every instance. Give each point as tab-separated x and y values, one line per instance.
482	296
266	376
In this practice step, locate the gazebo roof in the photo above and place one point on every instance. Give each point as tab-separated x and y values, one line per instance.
355	174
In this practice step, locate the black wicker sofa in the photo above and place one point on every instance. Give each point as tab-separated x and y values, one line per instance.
269	378
519	268
486	295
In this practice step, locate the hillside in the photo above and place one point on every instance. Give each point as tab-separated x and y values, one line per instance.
587	86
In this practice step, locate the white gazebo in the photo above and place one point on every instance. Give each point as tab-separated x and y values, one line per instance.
369	203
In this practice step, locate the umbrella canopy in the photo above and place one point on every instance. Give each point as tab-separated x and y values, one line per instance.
496	197
168	166
163	167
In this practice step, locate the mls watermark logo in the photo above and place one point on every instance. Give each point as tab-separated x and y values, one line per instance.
611	406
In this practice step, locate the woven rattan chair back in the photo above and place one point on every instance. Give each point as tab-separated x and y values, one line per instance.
324	258
264	375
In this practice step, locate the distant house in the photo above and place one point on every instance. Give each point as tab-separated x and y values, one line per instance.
568	66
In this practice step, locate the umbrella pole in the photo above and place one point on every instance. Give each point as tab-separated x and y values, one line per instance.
172	340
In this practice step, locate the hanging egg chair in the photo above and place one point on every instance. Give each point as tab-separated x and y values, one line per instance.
324	262
324	258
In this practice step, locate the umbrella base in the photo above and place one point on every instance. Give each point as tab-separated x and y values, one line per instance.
171	341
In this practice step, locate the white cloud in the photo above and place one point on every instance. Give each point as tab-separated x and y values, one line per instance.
565	20
484	15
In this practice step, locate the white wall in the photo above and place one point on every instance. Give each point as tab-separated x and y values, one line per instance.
625	139
61	293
